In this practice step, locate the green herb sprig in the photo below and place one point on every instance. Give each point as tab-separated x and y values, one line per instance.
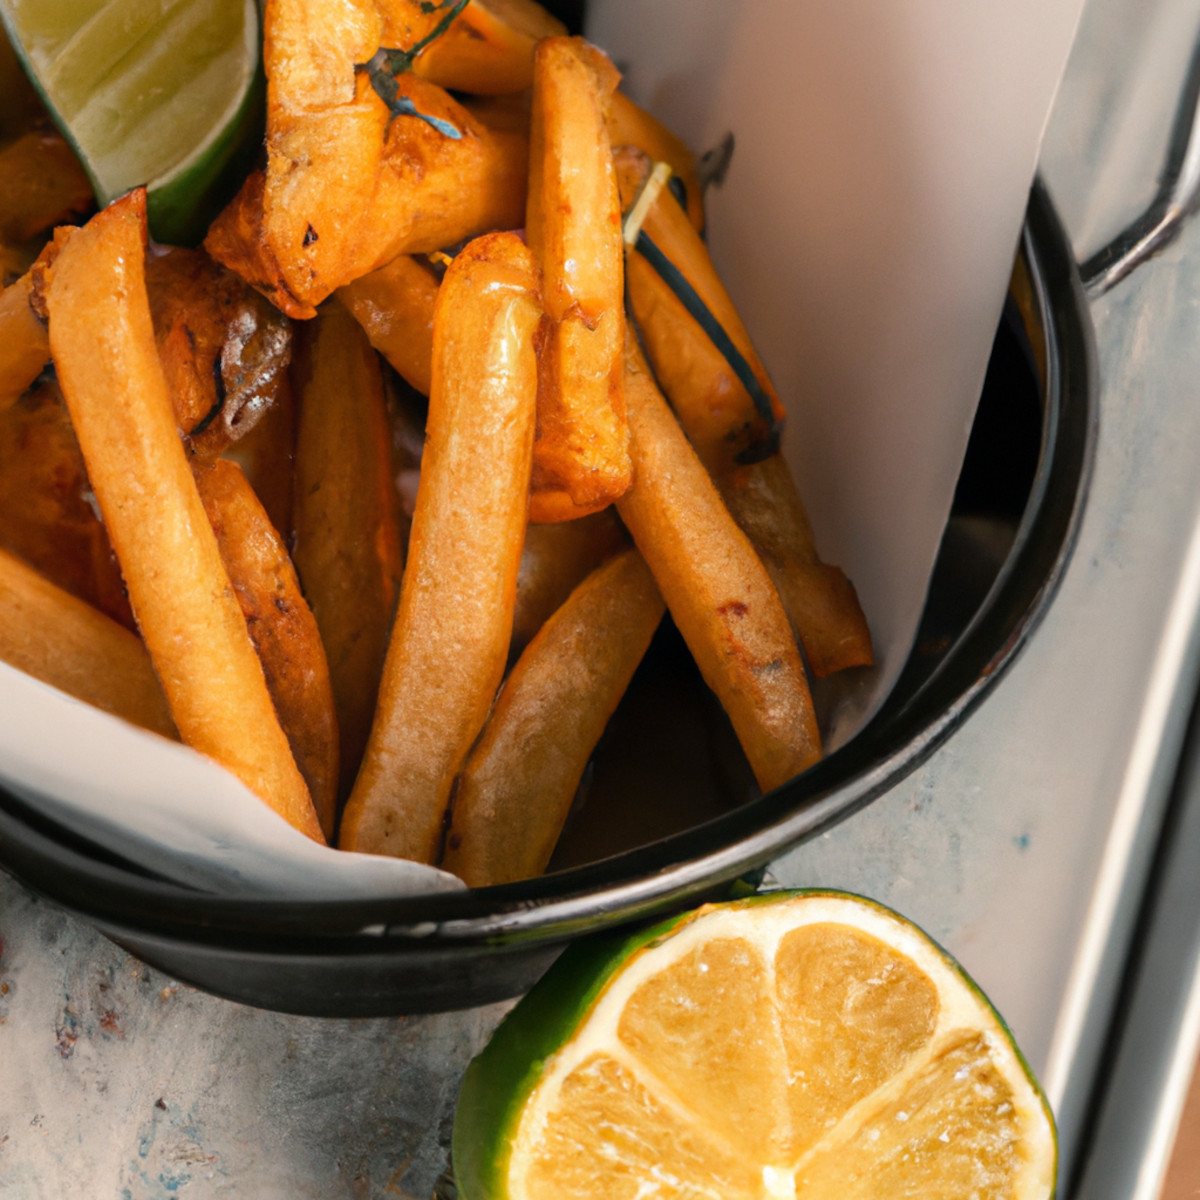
386	65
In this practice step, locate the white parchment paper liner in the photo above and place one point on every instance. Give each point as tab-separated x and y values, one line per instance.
866	230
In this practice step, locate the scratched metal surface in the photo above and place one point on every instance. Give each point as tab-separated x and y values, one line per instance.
1021	845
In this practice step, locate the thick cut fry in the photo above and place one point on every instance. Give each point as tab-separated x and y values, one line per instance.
61	640
581	459
24	342
224	349
717	589
46	513
734	439
41	184
102	340
450	640
395	306
267	456
348	186
488	48
347	539
630	125
516	789
554	560
281	626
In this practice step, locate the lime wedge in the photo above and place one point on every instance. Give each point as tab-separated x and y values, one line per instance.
166	93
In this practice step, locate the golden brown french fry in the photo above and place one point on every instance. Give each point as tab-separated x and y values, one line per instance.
488	48
61	640
102	340
573	220
394	304
347	539
281	626
734	440
450	639
514	794
223	348
717	589
554	560
24	342
631	125
347	186
267	456
46	513
509	113
41	184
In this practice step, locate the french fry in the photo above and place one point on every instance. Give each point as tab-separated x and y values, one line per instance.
631	125
347	540
348	186
573	220
515	792
281	627
102	341
394	304
555	559
24	342
734	439
41	184
716	588
223	348
450	640
46	515
63	641
267	456
488	48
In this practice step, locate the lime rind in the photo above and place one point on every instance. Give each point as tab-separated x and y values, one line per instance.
501	1078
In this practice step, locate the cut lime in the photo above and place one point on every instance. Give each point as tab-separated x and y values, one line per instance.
166	93
796	1046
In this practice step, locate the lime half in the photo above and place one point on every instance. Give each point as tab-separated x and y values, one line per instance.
166	93
796	1046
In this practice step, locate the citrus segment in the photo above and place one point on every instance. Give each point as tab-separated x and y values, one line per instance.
952	1133
729	1066
799	1046
610	1134
162	93
854	1011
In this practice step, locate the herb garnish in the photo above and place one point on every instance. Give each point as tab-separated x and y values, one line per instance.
386	65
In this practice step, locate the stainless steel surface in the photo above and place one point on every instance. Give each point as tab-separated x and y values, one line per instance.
1023	844
1159	1033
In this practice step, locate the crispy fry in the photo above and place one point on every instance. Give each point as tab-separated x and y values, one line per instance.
450	640
347	186
24	342
224	349
267	456
488	48
347	540
515	792
281	626
61	640
630	125
717	589
394	304
41	184
554	560
102	340
46	513
724	425
581	460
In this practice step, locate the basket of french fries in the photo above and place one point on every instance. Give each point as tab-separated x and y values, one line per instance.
420	570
